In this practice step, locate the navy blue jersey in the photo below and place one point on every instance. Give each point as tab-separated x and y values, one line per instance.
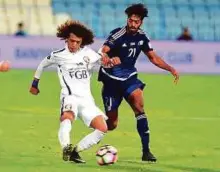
127	47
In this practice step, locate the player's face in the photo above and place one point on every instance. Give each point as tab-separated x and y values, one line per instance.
133	23
74	43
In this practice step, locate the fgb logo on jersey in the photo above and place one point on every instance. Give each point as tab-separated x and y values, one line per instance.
79	74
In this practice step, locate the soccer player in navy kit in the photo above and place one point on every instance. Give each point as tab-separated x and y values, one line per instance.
121	81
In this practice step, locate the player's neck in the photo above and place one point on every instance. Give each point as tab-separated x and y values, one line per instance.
129	32
67	48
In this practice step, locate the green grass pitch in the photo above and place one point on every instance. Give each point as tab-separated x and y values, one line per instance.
184	123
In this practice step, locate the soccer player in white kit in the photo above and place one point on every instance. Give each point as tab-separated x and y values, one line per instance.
74	65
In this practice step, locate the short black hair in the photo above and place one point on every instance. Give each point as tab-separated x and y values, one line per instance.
137	9
185	29
20	24
78	29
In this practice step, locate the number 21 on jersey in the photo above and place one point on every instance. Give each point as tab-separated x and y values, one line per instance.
132	52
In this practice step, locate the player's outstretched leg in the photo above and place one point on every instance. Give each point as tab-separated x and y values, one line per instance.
99	124
75	157
87	142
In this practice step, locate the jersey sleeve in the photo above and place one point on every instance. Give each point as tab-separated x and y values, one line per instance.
46	62
94	59
111	41
146	44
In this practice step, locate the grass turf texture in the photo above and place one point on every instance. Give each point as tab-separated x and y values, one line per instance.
184	123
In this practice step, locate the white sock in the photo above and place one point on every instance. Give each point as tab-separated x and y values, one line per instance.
64	132
90	140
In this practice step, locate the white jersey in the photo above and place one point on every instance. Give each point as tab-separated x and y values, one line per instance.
74	70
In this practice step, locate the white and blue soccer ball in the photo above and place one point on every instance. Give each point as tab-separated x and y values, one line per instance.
107	155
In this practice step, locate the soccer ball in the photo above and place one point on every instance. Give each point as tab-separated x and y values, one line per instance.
4	66
106	155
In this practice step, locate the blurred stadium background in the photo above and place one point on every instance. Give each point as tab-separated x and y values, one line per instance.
166	17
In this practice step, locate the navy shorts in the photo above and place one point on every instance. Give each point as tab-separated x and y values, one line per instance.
114	91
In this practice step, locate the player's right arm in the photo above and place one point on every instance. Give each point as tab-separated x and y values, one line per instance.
46	62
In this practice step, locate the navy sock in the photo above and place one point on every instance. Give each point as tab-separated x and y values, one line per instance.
143	130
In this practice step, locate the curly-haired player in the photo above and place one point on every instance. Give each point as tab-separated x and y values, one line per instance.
74	65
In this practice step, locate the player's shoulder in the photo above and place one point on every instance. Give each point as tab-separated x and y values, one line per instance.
89	52
115	30
118	31
143	34
58	52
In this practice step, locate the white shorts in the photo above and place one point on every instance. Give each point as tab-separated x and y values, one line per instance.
82	107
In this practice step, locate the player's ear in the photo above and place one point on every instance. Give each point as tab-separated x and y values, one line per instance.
142	21
127	19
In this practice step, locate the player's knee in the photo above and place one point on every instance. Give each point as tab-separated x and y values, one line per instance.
138	107
112	121
67	115
99	124
103	128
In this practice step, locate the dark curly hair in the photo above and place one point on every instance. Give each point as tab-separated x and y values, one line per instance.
78	29
137	9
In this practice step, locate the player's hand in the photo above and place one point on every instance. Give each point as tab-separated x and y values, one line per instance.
105	60
175	74
34	87
115	61
34	91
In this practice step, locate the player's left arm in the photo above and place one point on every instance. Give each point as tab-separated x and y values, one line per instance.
46	62
159	62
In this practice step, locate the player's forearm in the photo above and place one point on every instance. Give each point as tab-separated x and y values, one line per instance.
161	64
44	63
37	75
105	49
34	86
39	72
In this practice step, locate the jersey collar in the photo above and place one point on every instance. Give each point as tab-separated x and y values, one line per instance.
67	49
